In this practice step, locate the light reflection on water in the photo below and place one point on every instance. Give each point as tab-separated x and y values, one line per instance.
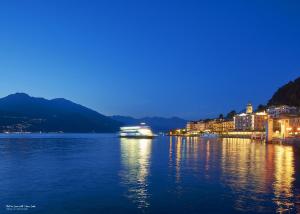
135	156
250	170
284	178
103	174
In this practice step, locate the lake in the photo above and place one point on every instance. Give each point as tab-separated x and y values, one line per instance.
100	173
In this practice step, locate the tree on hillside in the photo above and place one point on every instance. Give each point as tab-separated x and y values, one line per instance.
288	94
230	115
221	116
261	108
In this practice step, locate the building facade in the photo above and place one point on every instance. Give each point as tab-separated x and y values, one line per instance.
276	111
196	126
259	121
289	126
222	126
250	121
227	126
242	122
215	126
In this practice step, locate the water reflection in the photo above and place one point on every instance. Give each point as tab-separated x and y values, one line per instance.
256	176
178	157
193	154
245	172
252	170
135	158
284	178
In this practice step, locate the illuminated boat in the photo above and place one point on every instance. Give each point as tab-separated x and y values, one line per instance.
141	131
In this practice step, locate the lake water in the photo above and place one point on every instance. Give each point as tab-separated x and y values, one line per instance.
99	173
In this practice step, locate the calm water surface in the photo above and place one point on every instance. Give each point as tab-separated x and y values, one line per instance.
96	173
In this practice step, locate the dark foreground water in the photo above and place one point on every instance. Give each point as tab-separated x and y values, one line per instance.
103	174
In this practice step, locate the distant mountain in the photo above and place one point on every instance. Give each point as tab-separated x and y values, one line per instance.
20	112
157	123
289	94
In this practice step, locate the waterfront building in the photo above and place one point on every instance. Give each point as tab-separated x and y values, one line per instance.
217	127
276	111
214	126
195	126
250	121
289	126
221	126
269	129
190	125
242	122
259	120
227	126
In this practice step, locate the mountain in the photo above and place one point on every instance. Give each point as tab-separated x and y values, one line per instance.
289	94
157	123
21	112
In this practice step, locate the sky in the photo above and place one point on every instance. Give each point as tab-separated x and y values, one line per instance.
191	59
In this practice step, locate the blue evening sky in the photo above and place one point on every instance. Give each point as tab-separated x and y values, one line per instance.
184	58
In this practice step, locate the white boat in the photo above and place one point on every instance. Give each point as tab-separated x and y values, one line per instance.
141	131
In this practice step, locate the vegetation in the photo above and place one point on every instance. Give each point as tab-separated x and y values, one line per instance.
230	115
289	94
261	108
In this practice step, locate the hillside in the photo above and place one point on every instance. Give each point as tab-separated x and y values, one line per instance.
289	94
20	112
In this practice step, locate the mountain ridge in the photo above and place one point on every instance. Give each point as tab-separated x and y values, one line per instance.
288	94
21	112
